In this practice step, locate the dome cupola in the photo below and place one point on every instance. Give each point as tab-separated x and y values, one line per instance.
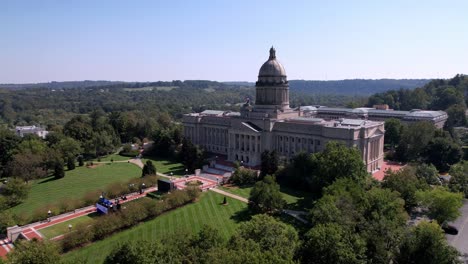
272	88
272	72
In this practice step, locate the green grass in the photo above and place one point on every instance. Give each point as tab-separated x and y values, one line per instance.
166	166
243	191
62	228
75	184
190	218
296	200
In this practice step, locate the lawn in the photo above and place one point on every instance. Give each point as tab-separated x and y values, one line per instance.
296	200
166	166
192	217
62	228
75	184
243	191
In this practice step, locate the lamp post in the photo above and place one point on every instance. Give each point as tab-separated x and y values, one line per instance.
69	227
186	173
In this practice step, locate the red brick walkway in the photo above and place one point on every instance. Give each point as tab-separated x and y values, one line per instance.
387	165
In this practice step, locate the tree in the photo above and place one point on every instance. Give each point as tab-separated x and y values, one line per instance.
270	234
442	205
8	146
148	169
266	197
269	163
376	215
15	191
428	172
414	140
27	166
144	252
456	116
298	173
393	130
80	160
6	220
337	161
443	152
71	163
406	183
207	238
191	156
32	144
459	180
333	243
59	172
34	252
426	244
243	176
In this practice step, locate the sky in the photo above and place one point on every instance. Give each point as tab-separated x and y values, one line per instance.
42	40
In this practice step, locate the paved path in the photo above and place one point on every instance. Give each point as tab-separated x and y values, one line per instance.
460	241
297	214
237	197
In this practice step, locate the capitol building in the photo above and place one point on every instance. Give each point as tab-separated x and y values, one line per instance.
270	124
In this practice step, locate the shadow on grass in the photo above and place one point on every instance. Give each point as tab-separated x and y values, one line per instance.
242	216
305	200
48	179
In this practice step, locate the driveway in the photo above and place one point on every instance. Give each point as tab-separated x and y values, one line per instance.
460	241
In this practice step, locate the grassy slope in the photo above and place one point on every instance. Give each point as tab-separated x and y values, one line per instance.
75	184
189	218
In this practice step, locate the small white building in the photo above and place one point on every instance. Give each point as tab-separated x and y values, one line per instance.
24	130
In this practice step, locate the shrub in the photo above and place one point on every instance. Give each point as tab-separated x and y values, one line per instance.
193	193
116	189
106	225
80	161
82	234
67	204
91	197
71	163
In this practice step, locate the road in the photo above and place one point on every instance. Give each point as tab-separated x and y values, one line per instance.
460	241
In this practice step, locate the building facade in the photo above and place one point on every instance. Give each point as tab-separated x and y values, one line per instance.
24	130
271	124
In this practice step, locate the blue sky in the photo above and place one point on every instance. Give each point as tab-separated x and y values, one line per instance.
229	40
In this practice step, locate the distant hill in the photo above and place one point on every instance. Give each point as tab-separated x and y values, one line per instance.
357	87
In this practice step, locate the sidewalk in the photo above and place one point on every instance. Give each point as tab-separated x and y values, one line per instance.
237	197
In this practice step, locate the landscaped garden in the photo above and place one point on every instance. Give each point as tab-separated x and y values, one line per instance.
75	184
208	210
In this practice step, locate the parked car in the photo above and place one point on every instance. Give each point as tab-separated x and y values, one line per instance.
450	229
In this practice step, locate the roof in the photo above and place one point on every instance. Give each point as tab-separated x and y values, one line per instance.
212	112
352	122
252	126
306	119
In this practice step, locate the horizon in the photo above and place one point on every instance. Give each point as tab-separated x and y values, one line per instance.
252	82
115	40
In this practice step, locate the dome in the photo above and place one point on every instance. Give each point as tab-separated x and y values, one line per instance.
272	67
